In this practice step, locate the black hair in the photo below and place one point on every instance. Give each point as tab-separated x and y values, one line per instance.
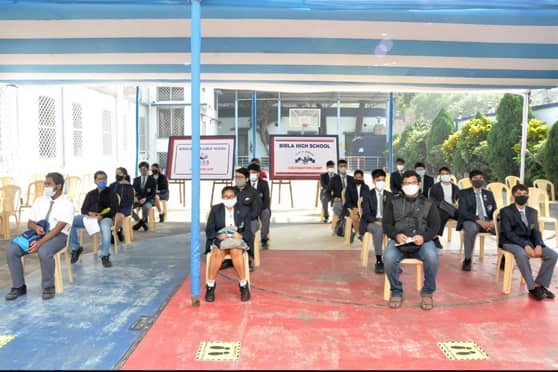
444	169
56	177
243	171
330	163
143	164
99	172
420	164
342	161
358	171
227	188
378	173
519	187
400	160
125	171
410	173
255	160
475	172
254	167
156	165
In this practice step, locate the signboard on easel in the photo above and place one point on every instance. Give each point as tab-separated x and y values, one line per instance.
216	158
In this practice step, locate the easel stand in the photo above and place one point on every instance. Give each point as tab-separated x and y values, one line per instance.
282	182
181	190
219	182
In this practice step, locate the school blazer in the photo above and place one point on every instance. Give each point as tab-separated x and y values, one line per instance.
370	208
216	222
468	205
514	231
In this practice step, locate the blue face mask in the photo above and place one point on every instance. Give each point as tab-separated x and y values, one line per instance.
102	185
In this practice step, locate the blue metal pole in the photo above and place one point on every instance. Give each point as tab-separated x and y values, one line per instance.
390	132
137	129
339	123
195	50
236	127
279	111
254	124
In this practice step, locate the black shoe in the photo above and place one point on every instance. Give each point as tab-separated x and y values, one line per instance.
547	293
352	239
251	264
265	244
437	243
359	237
210	293
538	293
76	254
379	268
48	293
144	225
325	220
106	261
112	239
120	235
161	217
503	263
137	226
466	265
244	293
16	292
226	264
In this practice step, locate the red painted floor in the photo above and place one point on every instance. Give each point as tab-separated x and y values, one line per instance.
320	310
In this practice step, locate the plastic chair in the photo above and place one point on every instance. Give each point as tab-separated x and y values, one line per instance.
72	189
34	191
481	236
6	180
498	189
511	181
538	199
408	261
547	186
10	197
464	183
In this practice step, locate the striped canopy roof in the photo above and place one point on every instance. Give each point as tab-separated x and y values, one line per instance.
288	45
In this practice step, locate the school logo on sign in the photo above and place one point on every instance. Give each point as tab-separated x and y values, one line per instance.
204	158
305	157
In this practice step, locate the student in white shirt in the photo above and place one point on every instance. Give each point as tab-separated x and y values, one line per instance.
59	212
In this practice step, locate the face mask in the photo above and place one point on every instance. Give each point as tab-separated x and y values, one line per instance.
478	183
421	172
229	203
253	177
48	192
143	172
400	167
359	182
240	182
101	185
342	170
330	170
380	185
119	178
155	172
410	190
521	200
445	178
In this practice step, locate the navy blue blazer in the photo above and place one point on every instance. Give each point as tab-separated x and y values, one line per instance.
370	208
514	231
468	205
216	222
149	190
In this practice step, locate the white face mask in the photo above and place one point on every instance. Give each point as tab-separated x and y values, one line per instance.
410	190
400	167
253	177
229	203
380	185
421	172
445	178
48	192
330	170
343	170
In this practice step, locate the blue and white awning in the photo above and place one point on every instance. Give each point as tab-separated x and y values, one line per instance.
285	44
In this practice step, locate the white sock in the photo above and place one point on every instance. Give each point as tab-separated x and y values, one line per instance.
242	282
211	283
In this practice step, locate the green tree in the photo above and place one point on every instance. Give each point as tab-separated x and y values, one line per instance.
505	133
466	149
442	127
537	132
550	162
412	144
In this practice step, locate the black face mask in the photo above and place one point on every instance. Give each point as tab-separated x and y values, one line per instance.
359	182
155	172
522	199
478	183
119	178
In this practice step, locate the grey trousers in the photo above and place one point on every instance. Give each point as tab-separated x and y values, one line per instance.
470	231
324	198
549	257
46	253
145	208
377	232
265	216
338	208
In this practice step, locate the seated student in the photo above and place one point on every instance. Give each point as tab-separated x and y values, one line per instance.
162	192
395	177
228	233
262	187
325	179
58	210
263	174
145	187
427	181
476	207
335	188
446	191
123	188
374	203
520	235
101	203
354	191
411	221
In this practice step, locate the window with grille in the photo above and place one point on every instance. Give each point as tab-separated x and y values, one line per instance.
47	127
162	160
170	94
107	132
170	122
77	129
